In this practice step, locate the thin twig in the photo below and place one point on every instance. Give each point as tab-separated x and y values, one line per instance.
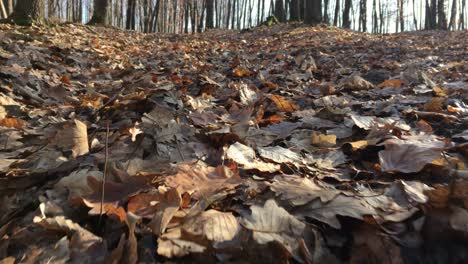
178	148
103	186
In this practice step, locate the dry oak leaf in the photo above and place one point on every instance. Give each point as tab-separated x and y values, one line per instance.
283	104
240	72
273	223
340	205
279	155
395	83
168	204
73	137
299	191
201	180
322	140
245	156
410	155
11	122
194	236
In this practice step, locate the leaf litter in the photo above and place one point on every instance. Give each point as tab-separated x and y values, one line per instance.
282	143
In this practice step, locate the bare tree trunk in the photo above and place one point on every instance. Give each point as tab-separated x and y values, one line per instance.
295	10
401	16
27	12
3	12
313	12
347	9
228	16
415	20
441	17
461	22
209	14
453	16
326	18
131	10
337	13
280	14
100	13
374	16
363	15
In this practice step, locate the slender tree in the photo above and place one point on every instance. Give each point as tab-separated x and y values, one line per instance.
441	17
337	13
313	12
3	12
461	20
363	15
453	16
326	18
209	14
100	13
346	13
280	12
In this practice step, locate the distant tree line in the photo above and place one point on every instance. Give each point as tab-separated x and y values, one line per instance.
192	16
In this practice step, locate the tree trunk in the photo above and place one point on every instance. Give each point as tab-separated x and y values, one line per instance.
131	9
3	12
295	10
209	14
27	12
461	22
279	11
441	17
363	15
401	15
100	13
313	12
337	13
326	18
453	16
347	9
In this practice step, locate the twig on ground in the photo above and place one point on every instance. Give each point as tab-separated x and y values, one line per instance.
103	186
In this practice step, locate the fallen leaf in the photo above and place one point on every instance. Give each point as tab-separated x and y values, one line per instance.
283	104
340	205
245	156
300	191
410	155
272	223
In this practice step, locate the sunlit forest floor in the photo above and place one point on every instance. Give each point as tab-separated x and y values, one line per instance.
274	144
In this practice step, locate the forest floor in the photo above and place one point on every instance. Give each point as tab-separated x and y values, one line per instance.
275	144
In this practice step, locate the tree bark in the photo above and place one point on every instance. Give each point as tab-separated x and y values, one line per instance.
453	16
401	15
363	15
337	13
461	22
3	12
326	18
100	13
347	9
27	12
295	14
313	12
441	17
279	11
209	14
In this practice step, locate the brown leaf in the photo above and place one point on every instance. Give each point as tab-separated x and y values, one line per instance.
201	180
283	104
73	137
409	155
322	140
395	83
11	122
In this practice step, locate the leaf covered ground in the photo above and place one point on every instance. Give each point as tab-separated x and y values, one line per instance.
273	145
